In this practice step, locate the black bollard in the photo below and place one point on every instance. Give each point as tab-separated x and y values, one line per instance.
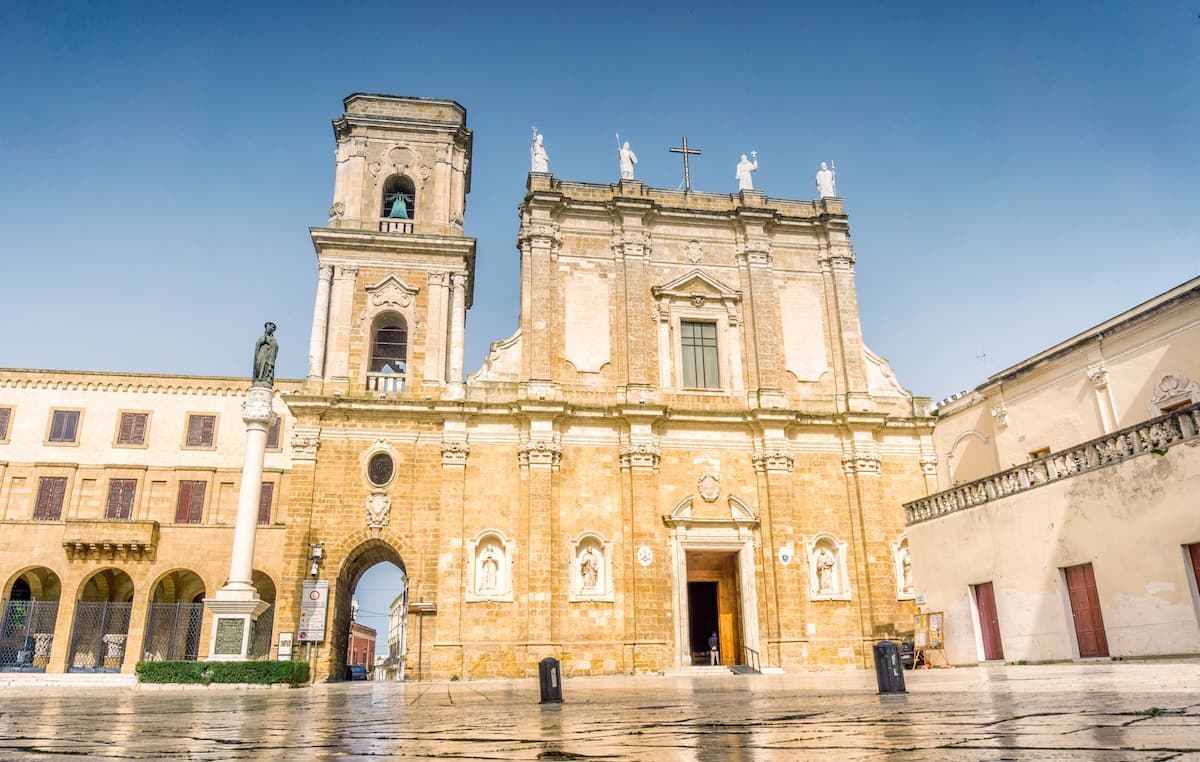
550	678
889	671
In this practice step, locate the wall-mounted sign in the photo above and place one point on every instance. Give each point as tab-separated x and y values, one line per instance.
313	606
285	646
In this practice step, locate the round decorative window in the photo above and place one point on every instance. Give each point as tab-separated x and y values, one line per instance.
380	469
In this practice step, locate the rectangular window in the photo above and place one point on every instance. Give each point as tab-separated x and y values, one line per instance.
190	505
131	429
273	434
699	344
120	498
201	430
64	426
265	497
5	417
51	491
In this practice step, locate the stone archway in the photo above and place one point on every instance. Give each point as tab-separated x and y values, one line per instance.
28	612
367	554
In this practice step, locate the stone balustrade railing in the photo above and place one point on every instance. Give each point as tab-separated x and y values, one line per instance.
1154	435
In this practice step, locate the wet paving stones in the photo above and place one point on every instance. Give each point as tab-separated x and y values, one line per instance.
1125	711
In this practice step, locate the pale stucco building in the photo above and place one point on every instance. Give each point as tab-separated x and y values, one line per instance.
1069	524
686	434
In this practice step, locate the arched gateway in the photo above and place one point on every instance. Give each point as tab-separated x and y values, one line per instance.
357	562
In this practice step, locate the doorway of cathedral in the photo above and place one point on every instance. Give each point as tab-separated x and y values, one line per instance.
369	615
714	606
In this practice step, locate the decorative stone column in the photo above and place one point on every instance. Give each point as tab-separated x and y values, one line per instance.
316	345
458	319
236	605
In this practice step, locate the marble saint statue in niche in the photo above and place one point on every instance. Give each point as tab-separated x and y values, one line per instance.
906	570
489	567
826	181
825	564
589	570
539	160
744	168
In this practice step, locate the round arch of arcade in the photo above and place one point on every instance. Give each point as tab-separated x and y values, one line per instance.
352	556
108	616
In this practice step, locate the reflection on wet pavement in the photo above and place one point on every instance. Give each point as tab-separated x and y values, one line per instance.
1075	711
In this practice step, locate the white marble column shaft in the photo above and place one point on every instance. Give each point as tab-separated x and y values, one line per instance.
258	416
458	322
316	345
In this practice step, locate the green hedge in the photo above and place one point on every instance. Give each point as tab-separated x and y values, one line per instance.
205	672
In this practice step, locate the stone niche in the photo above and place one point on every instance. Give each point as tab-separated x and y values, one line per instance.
591	568
490	556
828	579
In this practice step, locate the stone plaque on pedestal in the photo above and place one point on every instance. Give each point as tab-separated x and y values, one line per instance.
231	632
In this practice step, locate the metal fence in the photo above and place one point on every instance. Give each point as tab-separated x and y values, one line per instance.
173	631
260	636
99	635
26	634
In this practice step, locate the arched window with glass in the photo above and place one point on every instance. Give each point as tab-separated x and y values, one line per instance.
389	355
399	205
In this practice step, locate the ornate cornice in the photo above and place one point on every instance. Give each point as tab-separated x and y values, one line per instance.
539	233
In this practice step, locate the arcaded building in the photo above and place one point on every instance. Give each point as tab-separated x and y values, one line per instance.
686	435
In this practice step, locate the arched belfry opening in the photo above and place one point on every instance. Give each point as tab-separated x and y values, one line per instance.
399	200
369	613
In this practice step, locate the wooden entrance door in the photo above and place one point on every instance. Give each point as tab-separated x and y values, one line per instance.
1194	555
989	621
721	568
1085	610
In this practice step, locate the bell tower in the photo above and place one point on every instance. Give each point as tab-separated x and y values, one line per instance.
394	269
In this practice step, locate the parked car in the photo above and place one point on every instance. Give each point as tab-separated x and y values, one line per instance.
356	672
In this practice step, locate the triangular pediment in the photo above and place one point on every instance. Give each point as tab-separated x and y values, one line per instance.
696	282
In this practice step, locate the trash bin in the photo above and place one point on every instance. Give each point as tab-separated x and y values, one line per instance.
889	671
550	678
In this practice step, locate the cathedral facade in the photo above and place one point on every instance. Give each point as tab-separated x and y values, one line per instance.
685	436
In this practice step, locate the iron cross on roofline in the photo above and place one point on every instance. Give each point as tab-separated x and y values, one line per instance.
687	173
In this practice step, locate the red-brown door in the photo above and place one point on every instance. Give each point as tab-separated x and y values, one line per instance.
1085	610
989	621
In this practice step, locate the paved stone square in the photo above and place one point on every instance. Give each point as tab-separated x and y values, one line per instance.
1105	711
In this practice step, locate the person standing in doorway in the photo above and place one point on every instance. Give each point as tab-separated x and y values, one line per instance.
713	642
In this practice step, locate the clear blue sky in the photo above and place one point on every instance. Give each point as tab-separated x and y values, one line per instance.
1014	172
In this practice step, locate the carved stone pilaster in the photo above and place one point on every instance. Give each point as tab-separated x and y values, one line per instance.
861	461
773	459
1098	375
929	465
540	452
755	253
305	441
632	244
1000	413
454	453
344	272
640	455
535	233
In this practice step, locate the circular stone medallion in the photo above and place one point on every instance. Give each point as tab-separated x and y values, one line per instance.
645	556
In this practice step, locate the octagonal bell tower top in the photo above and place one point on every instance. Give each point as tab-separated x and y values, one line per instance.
403	165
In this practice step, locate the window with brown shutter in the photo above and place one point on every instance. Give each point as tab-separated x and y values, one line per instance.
132	429
64	426
51	491
201	430
273	434
5	417
190	506
265	496
120	498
